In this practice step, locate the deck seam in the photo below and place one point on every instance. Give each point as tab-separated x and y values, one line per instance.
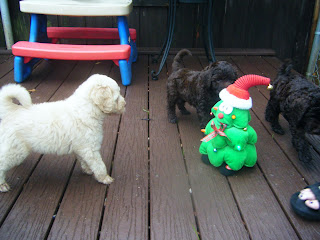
60	200
110	171
72	168
239	209
283	150
231	189
270	185
197	227
267	129
261	169
279	201
35	166
61	82
149	165
20	191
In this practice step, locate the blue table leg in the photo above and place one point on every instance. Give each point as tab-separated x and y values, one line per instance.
18	69
38	33
125	66
38	28
23	70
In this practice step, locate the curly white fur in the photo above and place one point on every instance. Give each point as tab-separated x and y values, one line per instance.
73	125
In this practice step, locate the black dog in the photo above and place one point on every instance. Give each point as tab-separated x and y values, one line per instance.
198	88
299	102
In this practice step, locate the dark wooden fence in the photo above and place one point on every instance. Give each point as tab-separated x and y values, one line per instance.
281	25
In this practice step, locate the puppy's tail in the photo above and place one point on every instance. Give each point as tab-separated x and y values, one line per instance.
177	61
8	93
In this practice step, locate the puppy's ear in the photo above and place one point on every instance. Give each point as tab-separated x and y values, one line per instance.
208	82
211	65
102	97
206	77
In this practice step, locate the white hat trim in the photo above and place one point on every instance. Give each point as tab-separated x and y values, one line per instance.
234	101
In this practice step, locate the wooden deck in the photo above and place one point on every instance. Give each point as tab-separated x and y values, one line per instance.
162	190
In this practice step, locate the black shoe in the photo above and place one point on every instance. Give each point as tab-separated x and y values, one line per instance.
299	207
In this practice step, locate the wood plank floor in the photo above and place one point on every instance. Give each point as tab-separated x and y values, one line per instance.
162	190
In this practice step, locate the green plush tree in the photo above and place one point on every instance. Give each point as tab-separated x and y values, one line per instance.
230	141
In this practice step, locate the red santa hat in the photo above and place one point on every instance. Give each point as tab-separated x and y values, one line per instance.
237	94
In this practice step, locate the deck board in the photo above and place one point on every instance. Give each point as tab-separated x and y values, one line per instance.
79	214
35	220
261	210
310	170
171	210
18	176
126	212
6	65
277	168
162	190
207	183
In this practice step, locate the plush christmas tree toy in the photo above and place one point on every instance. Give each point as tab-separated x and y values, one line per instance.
230	141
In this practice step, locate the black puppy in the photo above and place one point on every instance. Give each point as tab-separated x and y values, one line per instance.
299	102
198	88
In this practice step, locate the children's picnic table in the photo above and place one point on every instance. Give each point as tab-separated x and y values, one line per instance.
43	39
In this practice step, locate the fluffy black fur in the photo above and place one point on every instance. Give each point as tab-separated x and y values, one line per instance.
299	102
198	88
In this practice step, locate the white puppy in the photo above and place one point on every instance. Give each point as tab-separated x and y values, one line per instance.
74	125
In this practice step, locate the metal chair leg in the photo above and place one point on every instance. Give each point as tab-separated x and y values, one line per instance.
173	4
211	47
205	36
156	59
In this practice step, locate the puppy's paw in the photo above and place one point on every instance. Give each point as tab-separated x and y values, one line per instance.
4	187
278	129
305	156
106	180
